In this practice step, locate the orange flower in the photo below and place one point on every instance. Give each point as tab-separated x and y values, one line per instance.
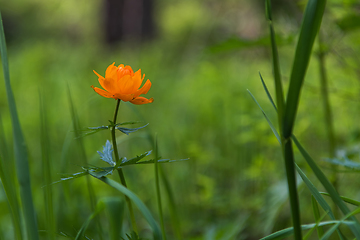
122	83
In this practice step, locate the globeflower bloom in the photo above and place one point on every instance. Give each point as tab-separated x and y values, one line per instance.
122	83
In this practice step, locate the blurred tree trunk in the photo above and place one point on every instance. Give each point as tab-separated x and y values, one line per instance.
128	19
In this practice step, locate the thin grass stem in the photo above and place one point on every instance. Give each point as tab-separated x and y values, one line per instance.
286	143
46	167
328	117
158	193
120	172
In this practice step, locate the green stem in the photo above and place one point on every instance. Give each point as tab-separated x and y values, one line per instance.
292	186
327	112
121	174
286	143
158	194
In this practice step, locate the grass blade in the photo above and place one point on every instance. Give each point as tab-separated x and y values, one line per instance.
48	197
351	225
143	209
115	208
309	28
346	199
172	205
9	189
290	231
157	186
100	206
21	157
276	66
316	211
327	185
319	198
308	183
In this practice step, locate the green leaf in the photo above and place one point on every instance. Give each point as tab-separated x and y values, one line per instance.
101	172
115	209
327	185
351	225
135	159
267	92
143	209
128	123
317	195
345	163
106	155
290	231
309	28
46	172
91	130
266	117
21	156
276	69
316	211
346	199
129	130
311	187
162	161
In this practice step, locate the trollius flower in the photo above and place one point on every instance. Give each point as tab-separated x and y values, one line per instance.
122	83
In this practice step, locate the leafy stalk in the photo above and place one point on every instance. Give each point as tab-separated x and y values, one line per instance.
120	172
158	194
286	143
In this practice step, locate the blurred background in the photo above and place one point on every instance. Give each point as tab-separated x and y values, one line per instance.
201	57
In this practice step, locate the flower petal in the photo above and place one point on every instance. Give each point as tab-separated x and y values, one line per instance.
144	89
125	85
141	100
111	71
98	74
124	97
123	71
137	80
102	92
110	85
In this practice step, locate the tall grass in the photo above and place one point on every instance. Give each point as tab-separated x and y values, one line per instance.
21	158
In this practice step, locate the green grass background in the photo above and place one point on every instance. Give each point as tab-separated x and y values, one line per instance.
234	181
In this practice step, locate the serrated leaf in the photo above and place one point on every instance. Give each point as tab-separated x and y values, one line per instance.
94	171
106	155
129	130
99	172
91	130
135	159
128	123
345	163
161	161
67	177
